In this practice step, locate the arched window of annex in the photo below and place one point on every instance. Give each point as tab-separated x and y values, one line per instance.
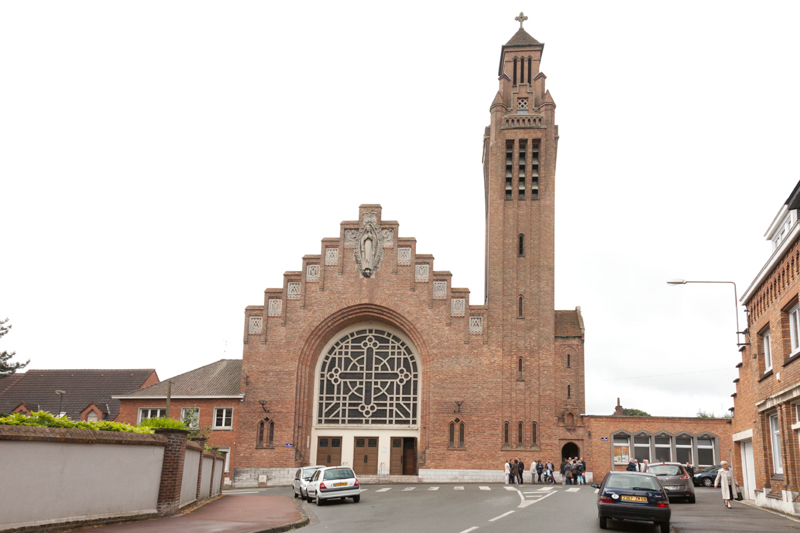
389	395
457	434
265	434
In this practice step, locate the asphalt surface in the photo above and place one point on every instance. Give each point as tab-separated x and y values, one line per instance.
498	508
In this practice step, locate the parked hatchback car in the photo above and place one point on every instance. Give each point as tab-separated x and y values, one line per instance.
706	476
675	479
333	482
301	479
632	496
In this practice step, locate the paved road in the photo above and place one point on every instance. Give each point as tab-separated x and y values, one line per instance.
496	508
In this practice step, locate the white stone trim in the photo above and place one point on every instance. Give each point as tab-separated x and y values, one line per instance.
331	256
254	326
275	307
743	435
293	290
458	306
421	273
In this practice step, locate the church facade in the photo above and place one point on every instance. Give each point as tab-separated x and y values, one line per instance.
369	357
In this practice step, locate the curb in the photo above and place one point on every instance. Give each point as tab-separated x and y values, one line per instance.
304	521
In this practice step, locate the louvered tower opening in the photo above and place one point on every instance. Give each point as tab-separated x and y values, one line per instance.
523	144
535	170
509	165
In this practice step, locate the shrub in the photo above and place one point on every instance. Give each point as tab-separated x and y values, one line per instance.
162	423
44	419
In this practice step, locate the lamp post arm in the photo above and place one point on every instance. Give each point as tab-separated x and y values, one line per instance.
735	302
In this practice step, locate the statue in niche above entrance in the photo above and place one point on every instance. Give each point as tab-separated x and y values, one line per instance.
369	246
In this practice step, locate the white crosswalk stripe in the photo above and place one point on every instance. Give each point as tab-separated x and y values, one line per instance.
433	488
384	490
573	490
458	488
509	488
484	488
408	488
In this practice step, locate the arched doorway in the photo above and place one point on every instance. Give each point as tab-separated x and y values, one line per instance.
367	401
570	449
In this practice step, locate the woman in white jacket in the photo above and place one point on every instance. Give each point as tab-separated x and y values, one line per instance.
727	481
508	470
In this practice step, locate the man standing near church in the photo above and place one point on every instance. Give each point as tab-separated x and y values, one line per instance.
521	471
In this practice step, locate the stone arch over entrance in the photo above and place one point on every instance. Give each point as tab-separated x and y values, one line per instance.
570	449
325	334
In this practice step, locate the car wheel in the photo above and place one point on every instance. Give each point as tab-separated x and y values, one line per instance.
319	501
295	495
356	499
603	522
708	483
664	527
303	497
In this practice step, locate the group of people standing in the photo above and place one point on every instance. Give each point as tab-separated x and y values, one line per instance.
572	471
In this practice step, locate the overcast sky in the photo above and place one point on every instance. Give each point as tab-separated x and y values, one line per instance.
162	163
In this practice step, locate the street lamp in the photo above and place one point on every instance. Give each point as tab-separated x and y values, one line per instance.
735	301
61	394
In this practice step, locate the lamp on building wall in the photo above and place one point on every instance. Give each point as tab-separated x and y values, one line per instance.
61	394
263	404
735	302
458	405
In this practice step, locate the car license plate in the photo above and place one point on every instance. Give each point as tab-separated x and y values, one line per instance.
633	498
340	484
672	488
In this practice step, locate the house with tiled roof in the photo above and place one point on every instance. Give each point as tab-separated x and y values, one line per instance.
85	394
206	397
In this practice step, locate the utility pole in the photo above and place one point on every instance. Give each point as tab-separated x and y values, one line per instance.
169	396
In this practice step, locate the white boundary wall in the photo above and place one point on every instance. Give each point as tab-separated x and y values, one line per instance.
51	482
191	467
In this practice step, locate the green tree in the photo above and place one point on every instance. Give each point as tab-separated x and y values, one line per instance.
710	414
634	412
6	366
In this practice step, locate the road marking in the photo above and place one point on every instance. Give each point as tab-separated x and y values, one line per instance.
384	490
509	488
364	490
596	491
524	504
408	488
484	488
433	488
242	492
546	489
573	490
470	529
458	488
501	516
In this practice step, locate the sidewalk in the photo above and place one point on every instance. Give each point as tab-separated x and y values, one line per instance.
231	514
708	514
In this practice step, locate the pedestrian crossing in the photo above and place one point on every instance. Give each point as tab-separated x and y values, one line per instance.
537	492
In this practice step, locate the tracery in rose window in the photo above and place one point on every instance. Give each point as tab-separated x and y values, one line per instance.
369	376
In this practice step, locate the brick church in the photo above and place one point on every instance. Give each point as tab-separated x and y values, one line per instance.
369	357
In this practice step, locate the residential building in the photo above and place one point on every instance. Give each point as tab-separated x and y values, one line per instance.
767	397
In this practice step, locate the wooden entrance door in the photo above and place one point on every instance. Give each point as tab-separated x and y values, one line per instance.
329	451
365	457
396	458
410	456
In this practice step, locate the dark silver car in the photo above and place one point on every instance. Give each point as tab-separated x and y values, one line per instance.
675	479
301	479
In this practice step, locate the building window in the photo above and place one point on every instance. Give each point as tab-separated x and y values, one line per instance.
775	434
519	369
505	434
569	391
641	448
92	416
522	70
457	425
191	417
149	412
683	450
794	328
227	451
705	452
462	433
520	315
223	417
509	167
521	252
767	352
568	361
515	72
622	449
663	449
529	71
452	434
266	434
521	165
533	433
534	170
519	433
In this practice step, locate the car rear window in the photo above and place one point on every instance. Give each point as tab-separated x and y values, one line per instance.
666	470
633	482
308	472
339	473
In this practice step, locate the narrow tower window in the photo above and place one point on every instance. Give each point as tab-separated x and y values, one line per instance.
519	434
515	72
505	434
529	71
461	435
535	170
509	166
519	369
452	433
533	434
522	160
568	365
522	70
569	391
520	307
521	251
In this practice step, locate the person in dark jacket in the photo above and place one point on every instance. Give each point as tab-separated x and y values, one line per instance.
689	470
515	471
631	466
539	470
521	471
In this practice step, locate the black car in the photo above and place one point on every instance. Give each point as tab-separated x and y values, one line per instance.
706	476
632	496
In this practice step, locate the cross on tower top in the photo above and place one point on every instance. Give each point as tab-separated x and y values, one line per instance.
521	18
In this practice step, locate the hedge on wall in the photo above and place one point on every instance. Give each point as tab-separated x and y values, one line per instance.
46	420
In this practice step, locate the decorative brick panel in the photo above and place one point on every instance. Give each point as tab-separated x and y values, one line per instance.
404	256
439	290
293	290
312	273
275	307
255	325
421	273
457	306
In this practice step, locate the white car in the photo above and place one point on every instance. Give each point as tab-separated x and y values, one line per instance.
301	479
332	482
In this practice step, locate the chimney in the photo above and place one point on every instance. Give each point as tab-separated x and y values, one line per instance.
618	409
